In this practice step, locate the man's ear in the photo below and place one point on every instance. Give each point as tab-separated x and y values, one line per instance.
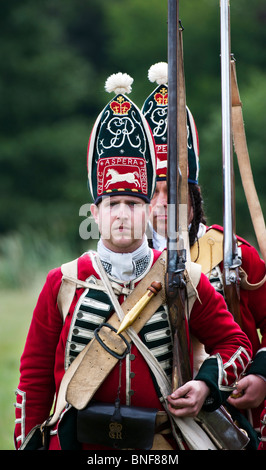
95	212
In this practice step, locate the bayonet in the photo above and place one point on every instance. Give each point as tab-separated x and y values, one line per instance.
231	260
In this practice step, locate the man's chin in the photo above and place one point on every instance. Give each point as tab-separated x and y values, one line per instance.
162	230
122	242
126	244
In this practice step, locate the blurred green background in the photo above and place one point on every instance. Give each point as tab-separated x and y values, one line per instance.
54	59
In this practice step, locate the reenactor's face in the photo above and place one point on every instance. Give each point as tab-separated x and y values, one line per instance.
122	222
159	209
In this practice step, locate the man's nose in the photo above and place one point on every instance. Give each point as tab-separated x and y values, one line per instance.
123	211
162	199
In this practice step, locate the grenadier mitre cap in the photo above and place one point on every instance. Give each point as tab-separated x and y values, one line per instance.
121	149
155	111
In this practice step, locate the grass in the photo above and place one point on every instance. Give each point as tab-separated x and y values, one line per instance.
16	307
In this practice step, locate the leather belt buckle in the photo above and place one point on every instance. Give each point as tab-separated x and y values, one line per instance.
110	351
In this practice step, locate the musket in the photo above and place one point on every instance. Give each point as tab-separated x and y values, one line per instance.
231	260
177	200
177	234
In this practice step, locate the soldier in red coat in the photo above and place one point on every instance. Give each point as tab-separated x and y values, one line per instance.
207	250
121	171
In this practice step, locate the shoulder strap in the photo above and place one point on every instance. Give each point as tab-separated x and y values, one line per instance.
92	354
246	285
241	149
70	283
193	274
67	289
70	280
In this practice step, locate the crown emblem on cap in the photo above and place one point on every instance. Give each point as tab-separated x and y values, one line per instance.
120	106
161	98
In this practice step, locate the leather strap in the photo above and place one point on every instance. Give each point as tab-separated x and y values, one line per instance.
98	361
241	149
70	283
91	371
193	434
67	289
246	285
96	369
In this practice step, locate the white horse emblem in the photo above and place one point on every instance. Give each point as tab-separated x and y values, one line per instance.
117	177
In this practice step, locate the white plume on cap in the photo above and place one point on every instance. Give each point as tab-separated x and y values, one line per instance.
119	83
159	73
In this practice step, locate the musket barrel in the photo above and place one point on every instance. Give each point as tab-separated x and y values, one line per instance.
230	254
172	117
227	145
176	251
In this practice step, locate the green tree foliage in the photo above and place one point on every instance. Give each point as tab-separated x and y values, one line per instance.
54	59
47	89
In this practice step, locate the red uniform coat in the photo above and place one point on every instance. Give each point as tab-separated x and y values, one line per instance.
253	312
42	362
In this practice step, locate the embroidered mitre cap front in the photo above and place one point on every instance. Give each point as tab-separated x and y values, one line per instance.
121	150
155	111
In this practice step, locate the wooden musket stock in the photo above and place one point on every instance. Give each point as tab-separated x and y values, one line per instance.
177	197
